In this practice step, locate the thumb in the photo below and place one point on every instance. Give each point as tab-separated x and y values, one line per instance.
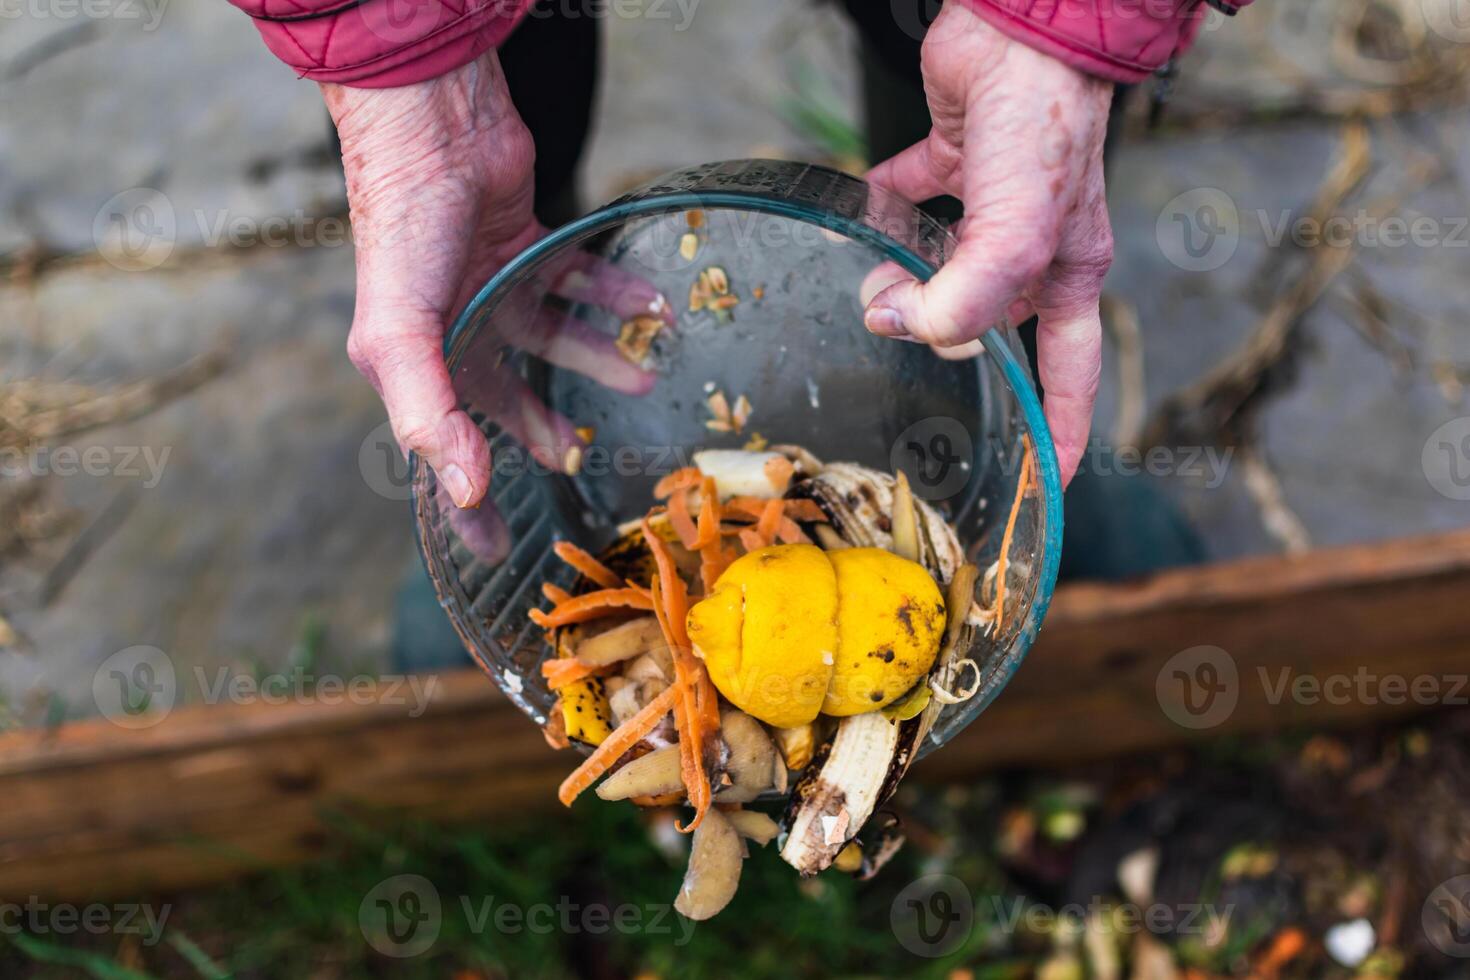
999	255
403	361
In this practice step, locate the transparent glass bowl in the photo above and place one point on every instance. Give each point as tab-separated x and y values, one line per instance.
796	243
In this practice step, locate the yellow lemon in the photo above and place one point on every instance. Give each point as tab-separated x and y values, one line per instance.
890	621
790	631
768	633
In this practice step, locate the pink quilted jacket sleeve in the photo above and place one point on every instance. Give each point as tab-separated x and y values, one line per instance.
1121	40
381	43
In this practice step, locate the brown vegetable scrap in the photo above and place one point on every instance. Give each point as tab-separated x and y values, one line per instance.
635	339
727	419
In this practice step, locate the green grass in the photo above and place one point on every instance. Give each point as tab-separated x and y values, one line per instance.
596	867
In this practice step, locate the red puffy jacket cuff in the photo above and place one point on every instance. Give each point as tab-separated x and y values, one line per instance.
1120	40
381	43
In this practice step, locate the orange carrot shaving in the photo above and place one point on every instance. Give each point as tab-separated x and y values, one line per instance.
711	555
770	520
587	565
1287	946
801	510
555	593
688	718
623	738
751	540
787	532
682	523
566	670
779	470
590	605
709	514
1023	486
683	479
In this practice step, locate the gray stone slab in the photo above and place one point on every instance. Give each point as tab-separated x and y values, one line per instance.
263	521
176	95
1345	436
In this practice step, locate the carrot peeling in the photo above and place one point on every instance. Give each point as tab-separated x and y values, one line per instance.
770	520
1023	486
567	670
590	605
555	593
680	520
681	479
623	738
587	565
688	716
800	510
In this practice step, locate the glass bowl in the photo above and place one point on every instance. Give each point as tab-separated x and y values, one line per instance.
795	242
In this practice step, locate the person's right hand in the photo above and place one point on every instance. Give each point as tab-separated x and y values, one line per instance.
439	181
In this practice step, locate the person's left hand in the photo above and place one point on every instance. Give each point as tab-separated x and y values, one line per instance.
1017	137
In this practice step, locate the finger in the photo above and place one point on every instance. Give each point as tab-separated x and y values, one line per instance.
481	528
913	174
404	363
1020	311
882	276
504	397
558	337
962	352
998	256
592	279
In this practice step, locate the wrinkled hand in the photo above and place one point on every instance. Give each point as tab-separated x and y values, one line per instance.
1017	137
440	184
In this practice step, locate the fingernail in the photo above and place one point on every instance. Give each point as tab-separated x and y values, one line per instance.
459	486
883	322
572	461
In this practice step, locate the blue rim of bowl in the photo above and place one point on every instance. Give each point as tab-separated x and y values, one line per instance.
1015	374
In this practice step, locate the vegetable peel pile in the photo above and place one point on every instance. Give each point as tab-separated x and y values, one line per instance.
773	617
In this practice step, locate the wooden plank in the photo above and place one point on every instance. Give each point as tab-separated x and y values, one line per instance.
94	810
